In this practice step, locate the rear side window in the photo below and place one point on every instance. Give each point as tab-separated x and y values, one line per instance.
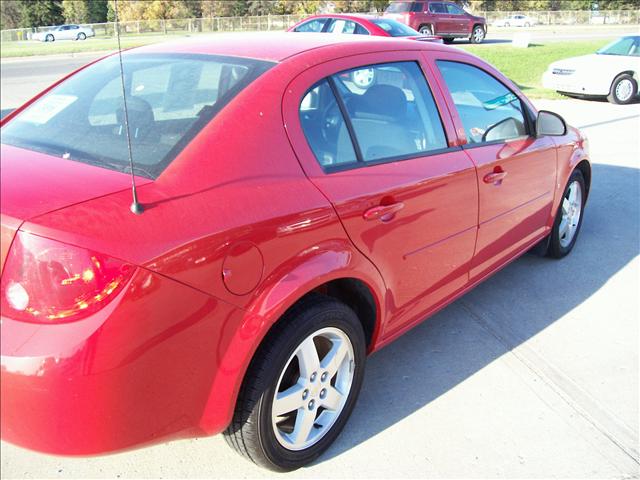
170	98
339	25
437	8
488	109
315	25
398	7
390	115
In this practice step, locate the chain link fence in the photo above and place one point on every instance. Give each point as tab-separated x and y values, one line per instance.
282	22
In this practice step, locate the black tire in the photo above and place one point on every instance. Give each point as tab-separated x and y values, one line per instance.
426	30
477	34
507	24
448	41
527	25
82	36
556	249
614	93
251	432
49	38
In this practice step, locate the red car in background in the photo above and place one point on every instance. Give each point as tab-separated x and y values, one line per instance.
307	200
437	17
360	24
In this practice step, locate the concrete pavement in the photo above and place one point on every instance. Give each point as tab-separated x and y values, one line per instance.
532	374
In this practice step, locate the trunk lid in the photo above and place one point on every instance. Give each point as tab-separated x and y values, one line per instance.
34	183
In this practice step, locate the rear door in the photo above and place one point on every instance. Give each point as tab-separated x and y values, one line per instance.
371	137
443	22
516	170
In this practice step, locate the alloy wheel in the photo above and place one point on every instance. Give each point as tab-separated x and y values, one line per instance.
571	211
313	388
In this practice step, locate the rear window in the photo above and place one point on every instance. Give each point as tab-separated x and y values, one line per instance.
393	28
170	98
399	7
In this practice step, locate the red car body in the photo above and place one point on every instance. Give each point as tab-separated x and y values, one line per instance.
226	246
366	23
438	17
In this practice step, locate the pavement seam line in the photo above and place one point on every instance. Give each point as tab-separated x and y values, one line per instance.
575	404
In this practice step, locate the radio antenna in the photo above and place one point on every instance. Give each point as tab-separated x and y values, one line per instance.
136	207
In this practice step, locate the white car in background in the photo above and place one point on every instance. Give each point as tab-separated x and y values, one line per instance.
515	21
64	32
613	71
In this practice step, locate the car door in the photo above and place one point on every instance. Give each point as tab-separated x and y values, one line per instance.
459	21
443	22
516	170
370	136
65	32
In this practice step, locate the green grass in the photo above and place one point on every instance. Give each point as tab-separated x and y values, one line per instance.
525	66
31	48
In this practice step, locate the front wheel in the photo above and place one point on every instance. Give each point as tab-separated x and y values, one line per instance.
569	217
301	386
623	90
477	35
49	38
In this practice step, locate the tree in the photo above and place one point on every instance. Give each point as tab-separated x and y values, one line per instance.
75	11
40	13
10	14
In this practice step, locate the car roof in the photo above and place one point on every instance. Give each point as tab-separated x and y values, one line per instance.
278	46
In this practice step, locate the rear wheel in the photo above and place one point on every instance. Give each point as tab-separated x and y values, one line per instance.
82	36
301	386
569	217
623	90
477	35
426	30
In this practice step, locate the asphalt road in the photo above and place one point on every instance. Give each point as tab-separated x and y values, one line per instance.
532	374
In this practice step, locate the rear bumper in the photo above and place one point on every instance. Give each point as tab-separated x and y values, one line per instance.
139	371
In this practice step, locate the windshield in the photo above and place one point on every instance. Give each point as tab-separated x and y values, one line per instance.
627	46
170	98
395	29
399	7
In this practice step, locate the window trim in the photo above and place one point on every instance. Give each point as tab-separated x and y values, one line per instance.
360	162
526	111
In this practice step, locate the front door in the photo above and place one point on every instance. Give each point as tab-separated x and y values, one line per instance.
516	170
371	138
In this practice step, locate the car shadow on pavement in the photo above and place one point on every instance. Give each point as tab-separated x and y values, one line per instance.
516	303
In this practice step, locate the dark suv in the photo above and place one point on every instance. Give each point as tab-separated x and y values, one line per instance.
446	19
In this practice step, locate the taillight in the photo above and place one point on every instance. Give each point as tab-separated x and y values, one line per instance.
46	281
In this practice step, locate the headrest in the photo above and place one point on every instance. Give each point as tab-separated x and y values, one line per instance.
381	100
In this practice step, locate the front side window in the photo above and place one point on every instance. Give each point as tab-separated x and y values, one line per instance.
417	7
315	25
454	9
437	8
390	113
170	98
488	109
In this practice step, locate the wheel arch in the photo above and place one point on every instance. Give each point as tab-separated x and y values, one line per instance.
335	269
585	167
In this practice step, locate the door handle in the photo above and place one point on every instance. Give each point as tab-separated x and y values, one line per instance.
495	177
384	213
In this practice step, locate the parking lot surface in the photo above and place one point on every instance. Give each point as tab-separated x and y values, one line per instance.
532	374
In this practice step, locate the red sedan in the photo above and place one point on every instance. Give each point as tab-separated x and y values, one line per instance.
360	24
306	200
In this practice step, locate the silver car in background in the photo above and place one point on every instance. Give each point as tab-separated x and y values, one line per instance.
64	32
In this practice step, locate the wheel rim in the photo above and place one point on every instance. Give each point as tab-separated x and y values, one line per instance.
425	31
571	211
478	34
624	89
313	389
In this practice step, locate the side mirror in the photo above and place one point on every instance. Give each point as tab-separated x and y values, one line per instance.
549	123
